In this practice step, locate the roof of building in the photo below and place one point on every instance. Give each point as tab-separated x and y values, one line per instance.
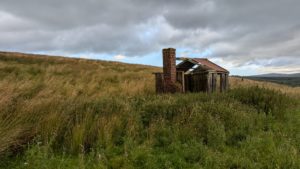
205	62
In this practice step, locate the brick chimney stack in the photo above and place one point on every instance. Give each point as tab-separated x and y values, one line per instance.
169	68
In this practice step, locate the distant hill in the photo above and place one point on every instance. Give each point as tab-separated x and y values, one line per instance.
277	75
287	79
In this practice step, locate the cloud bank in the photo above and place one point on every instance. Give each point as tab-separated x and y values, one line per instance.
237	33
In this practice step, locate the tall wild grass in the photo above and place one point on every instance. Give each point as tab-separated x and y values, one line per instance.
73	113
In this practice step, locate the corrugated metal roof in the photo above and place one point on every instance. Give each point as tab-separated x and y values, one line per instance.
208	63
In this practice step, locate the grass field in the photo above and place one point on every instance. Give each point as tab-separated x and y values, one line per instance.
291	81
237	82
59	113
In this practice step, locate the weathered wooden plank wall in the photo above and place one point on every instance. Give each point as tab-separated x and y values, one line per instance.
180	79
200	82
223	82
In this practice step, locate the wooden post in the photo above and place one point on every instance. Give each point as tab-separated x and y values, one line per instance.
222	80
208	82
180	79
187	79
214	82
227	81
183	82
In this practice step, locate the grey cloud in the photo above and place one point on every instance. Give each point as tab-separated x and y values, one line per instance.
239	31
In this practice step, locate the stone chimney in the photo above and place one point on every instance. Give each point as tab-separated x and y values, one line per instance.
169	65
169	69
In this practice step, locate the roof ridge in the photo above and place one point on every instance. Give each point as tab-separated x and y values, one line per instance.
214	64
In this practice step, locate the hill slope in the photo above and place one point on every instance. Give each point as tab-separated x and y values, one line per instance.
287	79
278	75
73	113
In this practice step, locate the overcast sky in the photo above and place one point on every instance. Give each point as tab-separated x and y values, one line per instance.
245	36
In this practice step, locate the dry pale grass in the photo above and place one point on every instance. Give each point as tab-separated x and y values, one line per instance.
52	86
236	82
35	84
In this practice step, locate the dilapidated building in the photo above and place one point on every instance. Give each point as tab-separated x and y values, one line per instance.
190	75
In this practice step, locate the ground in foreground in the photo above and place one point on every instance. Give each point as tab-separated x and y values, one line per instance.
74	113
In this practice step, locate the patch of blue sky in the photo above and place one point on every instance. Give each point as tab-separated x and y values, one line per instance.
187	52
155	59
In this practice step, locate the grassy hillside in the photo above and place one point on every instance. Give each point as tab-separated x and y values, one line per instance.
74	113
292	81
236	82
